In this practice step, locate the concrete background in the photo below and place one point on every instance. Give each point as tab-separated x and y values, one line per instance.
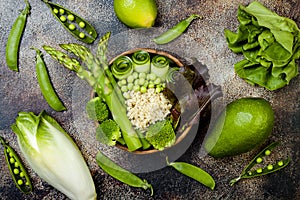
203	40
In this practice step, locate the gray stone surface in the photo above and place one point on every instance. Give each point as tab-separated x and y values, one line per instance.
203	40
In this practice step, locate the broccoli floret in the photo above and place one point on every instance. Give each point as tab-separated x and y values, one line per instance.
108	132
97	109
161	134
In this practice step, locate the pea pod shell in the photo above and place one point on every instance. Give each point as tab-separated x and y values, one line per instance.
45	84
194	172
85	33
9	153
174	32
120	173
14	38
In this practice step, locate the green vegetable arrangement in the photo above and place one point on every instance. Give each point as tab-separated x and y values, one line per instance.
270	44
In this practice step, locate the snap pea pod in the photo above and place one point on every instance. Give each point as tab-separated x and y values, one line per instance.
193	172
16	168
120	173
45	83
175	31
14	38
270	168
76	25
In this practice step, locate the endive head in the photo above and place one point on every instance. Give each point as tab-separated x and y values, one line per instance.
53	155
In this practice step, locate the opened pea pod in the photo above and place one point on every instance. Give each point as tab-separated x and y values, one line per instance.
250	172
16	168
76	25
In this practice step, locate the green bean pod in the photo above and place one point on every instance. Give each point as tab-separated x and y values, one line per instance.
120	173
76	25
194	172
14	38
175	31
45	83
16	168
249	173
141	61
122	67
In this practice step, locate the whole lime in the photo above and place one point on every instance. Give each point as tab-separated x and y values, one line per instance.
136	13
243	125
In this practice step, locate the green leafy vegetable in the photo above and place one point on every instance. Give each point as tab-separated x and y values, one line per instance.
270	44
53	155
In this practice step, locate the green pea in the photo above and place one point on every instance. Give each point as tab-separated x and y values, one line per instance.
20	182
270	167
71	17
16	164
72	27
130	79
22	174
81	35
130	86
63	18
259	170
259	160
124	88
280	163
61	11
151	85
267	152
249	173
81	24
55	11
135	75
16	171
141	81
126	95
12	160
136	88
142	75
157	81
143	89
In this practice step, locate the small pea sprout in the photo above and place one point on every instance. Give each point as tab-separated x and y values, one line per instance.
258	159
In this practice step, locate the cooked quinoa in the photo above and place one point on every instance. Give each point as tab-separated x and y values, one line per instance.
147	108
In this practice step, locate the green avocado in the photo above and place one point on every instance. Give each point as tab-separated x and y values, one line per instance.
243	125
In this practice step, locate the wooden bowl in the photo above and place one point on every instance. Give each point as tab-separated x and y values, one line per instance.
182	135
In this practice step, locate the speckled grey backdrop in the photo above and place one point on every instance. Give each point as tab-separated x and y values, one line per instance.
204	40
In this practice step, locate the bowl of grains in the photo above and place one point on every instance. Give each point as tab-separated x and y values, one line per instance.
162	97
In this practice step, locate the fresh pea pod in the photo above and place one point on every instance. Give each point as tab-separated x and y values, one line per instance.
14	38
194	172
176	31
121	174
270	168
76	25
16	168
45	83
